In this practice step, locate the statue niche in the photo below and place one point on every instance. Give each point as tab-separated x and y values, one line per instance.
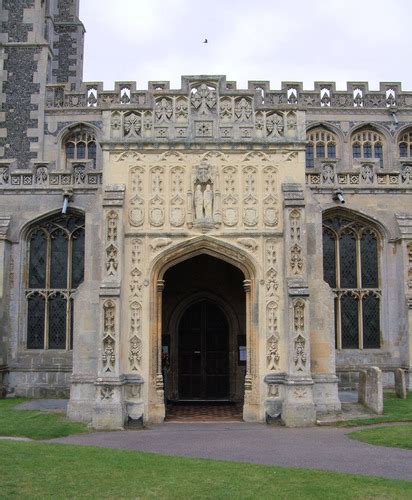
203	198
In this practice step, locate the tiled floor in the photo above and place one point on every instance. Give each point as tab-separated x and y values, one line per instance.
203	412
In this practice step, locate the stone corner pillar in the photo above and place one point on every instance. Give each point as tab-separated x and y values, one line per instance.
109	411
322	319
298	407
404	221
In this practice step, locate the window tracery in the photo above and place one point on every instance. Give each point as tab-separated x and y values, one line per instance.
367	144
405	145
351	268
321	144
80	145
55	270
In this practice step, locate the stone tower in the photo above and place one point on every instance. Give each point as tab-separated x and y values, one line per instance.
41	43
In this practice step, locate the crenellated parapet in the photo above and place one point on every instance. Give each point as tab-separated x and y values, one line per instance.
292	95
205	108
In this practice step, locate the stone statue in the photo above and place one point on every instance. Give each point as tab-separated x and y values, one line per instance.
208	201
199	202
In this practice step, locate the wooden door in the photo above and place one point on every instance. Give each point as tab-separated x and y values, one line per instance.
203	353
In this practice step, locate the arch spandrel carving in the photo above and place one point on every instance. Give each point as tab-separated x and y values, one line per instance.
208	245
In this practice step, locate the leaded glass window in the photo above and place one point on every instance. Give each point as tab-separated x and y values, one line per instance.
356	150
309	156
321	144
351	268
55	270
405	145
367	144
80	144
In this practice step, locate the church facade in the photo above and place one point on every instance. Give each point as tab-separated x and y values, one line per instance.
201	243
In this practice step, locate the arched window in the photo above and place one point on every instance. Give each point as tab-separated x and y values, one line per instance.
80	144
367	144
405	145
321	144
351	268
55	270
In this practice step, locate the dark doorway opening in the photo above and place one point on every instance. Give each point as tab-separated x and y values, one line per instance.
203	353
203	338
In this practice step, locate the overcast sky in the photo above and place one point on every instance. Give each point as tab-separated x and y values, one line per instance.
288	40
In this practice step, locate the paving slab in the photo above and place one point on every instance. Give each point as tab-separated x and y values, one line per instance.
324	448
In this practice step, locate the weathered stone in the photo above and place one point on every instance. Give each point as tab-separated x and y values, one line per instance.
401	388
370	389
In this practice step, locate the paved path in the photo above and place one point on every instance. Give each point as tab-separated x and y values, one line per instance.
315	447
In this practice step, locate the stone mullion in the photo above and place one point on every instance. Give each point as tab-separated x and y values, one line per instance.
338	323
47	293
69	288
68	320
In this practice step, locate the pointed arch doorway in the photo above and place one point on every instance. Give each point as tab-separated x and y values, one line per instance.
203	332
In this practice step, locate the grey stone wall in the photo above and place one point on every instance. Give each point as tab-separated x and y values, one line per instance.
68	44
13	25
19	88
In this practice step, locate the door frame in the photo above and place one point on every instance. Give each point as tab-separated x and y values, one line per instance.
251	270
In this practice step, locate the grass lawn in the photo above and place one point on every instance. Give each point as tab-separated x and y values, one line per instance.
398	436
38	470
35	424
394	410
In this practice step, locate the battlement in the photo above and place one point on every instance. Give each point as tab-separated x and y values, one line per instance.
292	94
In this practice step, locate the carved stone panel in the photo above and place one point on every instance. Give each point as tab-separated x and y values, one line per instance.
296	261
203	99
157	202
230	198
132	125
300	355
409	251
177	201
135	333
136	211
109	334
270	201
250	201
112	248
272	305
136	281
273	355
